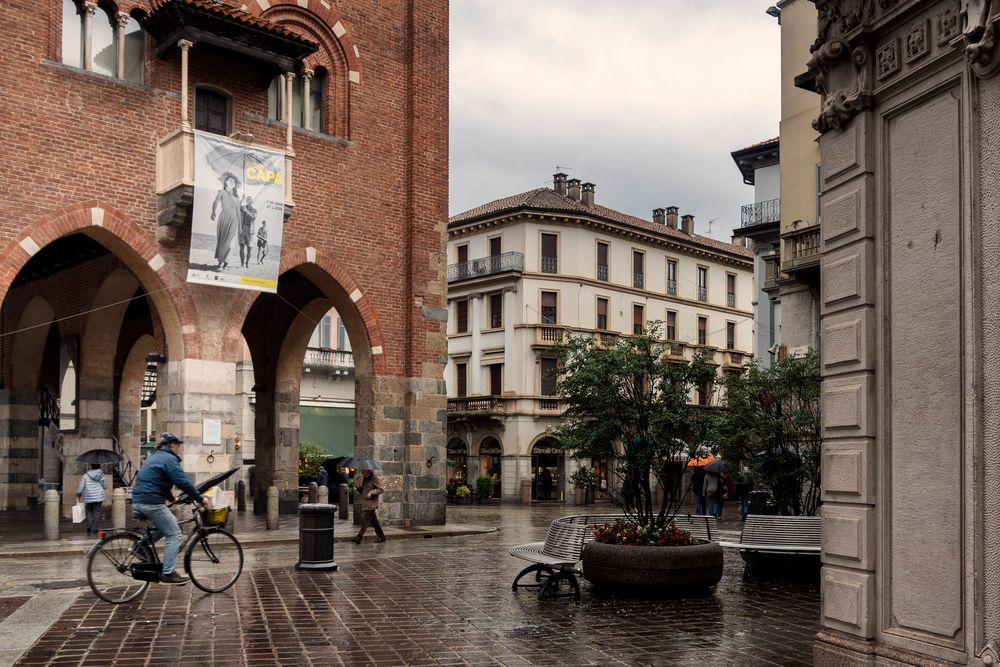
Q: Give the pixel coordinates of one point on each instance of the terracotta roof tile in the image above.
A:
(547, 199)
(236, 12)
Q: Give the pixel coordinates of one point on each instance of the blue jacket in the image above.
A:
(92, 486)
(161, 471)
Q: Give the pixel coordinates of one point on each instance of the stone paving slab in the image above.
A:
(441, 607)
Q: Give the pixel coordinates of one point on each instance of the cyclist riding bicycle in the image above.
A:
(151, 493)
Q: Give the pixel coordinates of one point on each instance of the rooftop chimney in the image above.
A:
(573, 189)
(658, 218)
(588, 194)
(671, 217)
(687, 224)
(559, 183)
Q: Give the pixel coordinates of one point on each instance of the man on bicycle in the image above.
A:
(151, 493)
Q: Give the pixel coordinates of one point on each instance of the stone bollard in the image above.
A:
(525, 491)
(118, 508)
(241, 496)
(272, 508)
(51, 500)
(323, 495)
(342, 501)
(313, 492)
(577, 496)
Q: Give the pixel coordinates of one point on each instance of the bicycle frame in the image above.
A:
(196, 531)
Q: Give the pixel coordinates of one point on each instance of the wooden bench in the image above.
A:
(788, 535)
(555, 559)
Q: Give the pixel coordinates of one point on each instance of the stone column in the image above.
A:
(185, 47)
(508, 335)
(307, 75)
(121, 20)
(475, 361)
(89, 9)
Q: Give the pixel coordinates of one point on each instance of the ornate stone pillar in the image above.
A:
(89, 9)
(307, 75)
(185, 47)
(121, 20)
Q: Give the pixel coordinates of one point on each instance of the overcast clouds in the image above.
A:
(644, 98)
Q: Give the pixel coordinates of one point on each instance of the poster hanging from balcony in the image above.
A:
(237, 215)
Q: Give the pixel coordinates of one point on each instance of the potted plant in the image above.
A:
(584, 480)
(628, 403)
(462, 494)
(484, 488)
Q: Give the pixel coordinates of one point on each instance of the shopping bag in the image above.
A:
(79, 513)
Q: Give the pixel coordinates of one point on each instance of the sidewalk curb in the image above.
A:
(64, 547)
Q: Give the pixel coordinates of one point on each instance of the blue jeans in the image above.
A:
(744, 503)
(164, 525)
(715, 506)
(699, 504)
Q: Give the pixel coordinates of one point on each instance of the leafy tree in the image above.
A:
(771, 421)
(629, 406)
(311, 457)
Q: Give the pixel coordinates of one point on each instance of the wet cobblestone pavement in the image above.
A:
(435, 602)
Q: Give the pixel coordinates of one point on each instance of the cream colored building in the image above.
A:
(527, 270)
(799, 279)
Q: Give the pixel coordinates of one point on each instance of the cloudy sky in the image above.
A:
(644, 98)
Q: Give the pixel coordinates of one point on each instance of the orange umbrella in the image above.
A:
(700, 461)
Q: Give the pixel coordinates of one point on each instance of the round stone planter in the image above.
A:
(652, 569)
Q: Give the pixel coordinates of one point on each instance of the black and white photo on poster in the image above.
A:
(237, 216)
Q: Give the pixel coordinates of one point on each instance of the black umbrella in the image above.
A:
(716, 466)
(216, 480)
(361, 464)
(99, 456)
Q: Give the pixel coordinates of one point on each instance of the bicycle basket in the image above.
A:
(216, 517)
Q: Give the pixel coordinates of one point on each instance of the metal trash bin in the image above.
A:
(316, 523)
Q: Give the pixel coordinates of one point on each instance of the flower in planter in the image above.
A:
(463, 492)
(649, 535)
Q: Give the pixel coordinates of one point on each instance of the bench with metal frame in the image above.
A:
(555, 560)
(782, 535)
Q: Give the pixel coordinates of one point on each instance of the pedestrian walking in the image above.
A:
(744, 485)
(698, 489)
(323, 478)
(92, 492)
(370, 488)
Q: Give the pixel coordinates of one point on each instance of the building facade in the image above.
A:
(528, 270)
(910, 251)
(760, 227)
(96, 229)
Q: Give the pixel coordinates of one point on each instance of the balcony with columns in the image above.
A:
(180, 27)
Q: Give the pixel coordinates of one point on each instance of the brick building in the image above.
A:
(96, 185)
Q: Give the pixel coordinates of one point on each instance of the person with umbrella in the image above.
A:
(715, 486)
(92, 491)
(371, 489)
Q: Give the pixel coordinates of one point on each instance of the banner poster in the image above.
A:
(238, 212)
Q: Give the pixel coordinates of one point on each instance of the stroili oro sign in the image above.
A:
(237, 215)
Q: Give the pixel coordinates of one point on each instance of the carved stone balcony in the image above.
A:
(546, 336)
(175, 183)
(333, 362)
(478, 405)
(733, 359)
(772, 272)
(801, 249)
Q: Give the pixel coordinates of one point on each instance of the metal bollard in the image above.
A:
(51, 500)
(313, 492)
(118, 508)
(323, 496)
(272, 508)
(342, 502)
(241, 496)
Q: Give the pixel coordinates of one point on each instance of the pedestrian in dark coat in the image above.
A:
(371, 489)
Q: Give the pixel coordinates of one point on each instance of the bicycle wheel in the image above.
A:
(108, 567)
(214, 560)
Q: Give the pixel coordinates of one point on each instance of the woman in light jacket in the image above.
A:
(91, 492)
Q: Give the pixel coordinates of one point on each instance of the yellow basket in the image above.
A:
(216, 517)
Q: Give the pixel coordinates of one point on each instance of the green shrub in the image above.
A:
(463, 491)
(484, 486)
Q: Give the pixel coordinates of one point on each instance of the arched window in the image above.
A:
(104, 41)
(317, 89)
(211, 111)
(72, 34)
(135, 50)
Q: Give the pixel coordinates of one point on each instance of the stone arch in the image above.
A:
(337, 54)
(130, 396)
(29, 339)
(136, 248)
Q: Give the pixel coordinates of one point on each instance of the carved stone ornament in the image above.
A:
(839, 106)
(916, 43)
(946, 23)
(990, 654)
(979, 33)
(887, 60)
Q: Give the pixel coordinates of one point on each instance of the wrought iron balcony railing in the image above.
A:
(760, 212)
(550, 265)
(485, 266)
(638, 279)
(731, 300)
(702, 294)
(602, 272)
(672, 287)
